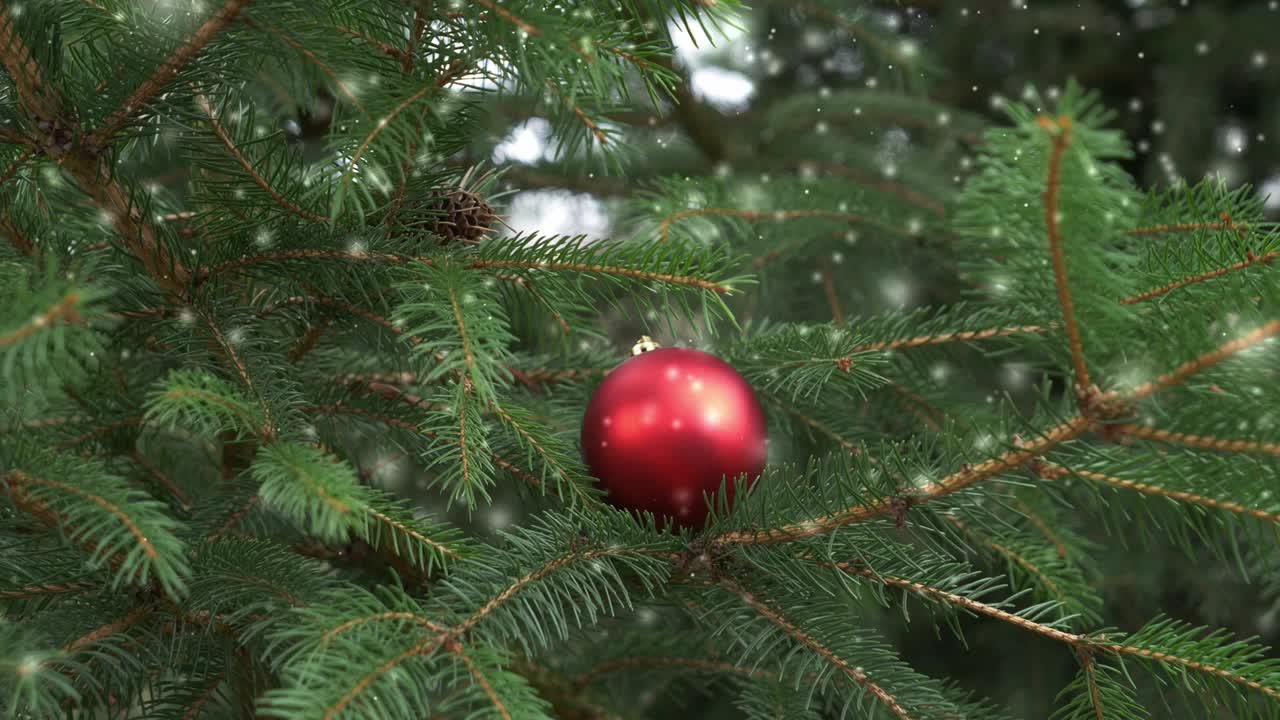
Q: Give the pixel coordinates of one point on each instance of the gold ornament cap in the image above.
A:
(643, 345)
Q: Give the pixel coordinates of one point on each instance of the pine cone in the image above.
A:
(459, 214)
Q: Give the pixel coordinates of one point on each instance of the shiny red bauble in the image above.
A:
(667, 427)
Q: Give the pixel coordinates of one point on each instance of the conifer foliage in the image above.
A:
(206, 321)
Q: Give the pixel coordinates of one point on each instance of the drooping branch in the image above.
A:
(1083, 643)
(1184, 371)
(29, 592)
(953, 483)
(593, 269)
(1050, 470)
(18, 481)
(854, 673)
(1014, 557)
(974, 606)
(1060, 132)
(1265, 259)
(1226, 224)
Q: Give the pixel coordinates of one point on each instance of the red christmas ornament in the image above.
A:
(668, 426)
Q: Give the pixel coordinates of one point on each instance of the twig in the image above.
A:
(704, 664)
(604, 270)
(955, 482)
(664, 229)
(1205, 442)
(65, 310)
(1060, 131)
(966, 336)
(855, 674)
(1057, 471)
(17, 479)
(829, 288)
(1253, 259)
(1205, 361)
(27, 592)
(19, 239)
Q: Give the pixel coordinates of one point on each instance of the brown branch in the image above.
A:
(1051, 470)
(1205, 442)
(813, 644)
(33, 94)
(312, 254)
(65, 310)
(919, 407)
(966, 336)
(1205, 361)
(1044, 529)
(974, 606)
(426, 646)
(509, 17)
(309, 340)
(84, 166)
(604, 270)
(485, 685)
(1011, 555)
(161, 478)
(234, 519)
(449, 637)
(19, 239)
(955, 482)
(1226, 224)
(344, 306)
(1060, 131)
(244, 163)
(388, 50)
(106, 631)
(337, 630)
(829, 288)
(586, 119)
(28, 592)
(1190, 665)
(17, 480)
(658, 661)
(410, 532)
(1089, 666)
(1253, 259)
(664, 229)
(167, 71)
(197, 708)
(506, 417)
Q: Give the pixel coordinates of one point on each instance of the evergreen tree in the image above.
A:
(273, 368)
